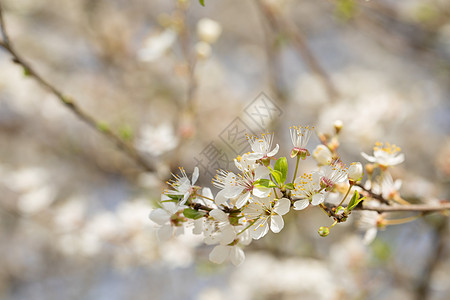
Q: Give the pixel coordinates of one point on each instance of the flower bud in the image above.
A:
(355, 172)
(322, 155)
(324, 231)
(208, 30)
(370, 168)
(338, 126)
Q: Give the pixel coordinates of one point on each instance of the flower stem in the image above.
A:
(348, 191)
(296, 168)
(400, 221)
(332, 225)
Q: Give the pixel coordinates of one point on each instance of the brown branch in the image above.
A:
(299, 42)
(404, 208)
(373, 195)
(70, 104)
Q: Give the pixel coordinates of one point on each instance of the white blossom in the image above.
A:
(332, 174)
(156, 140)
(385, 155)
(182, 186)
(167, 218)
(261, 146)
(240, 186)
(264, 211)
(300, 137)
(308, 190)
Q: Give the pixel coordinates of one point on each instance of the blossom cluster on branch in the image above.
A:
(253, 199)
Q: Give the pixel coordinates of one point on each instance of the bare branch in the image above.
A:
(70, 104)
(299, 42)
(412, 208)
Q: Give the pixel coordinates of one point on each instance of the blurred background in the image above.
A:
(74, 209)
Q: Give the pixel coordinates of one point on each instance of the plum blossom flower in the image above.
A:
(233, 251)
(169, 217)
(261, 146)
(370, 222)
(182, 186)
(300, 137)
(217, 228)
(241, 186)
(264, 211)
(208, 31)
(332, 174)
(385, 155)
(307, 190)
(157, 45)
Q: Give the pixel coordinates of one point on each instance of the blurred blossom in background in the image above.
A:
(169, 77)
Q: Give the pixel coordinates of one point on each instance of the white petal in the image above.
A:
(368, 157)
(301, 204)
(220, 198)
(228, 235)
(242, 199)
(259, 229)
(237, 256)
(233, 191)
(198, 226)
(261, 192)
(370, 235)
(276, 223)
(282, 206)
(159, 216)
(170, 206)
(195, 175)
(218, 215)
(207, 193)
(317, 199)
(261, 172)
(219, 254)
(274, 151)
(255, 156)
(185, 198)
(165, 232)
(398, 159)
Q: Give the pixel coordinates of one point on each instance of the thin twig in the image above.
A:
(412, 207)
(299, 42)
(70, 104)
(374, 195)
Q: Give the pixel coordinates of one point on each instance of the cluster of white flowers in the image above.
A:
(254, 199)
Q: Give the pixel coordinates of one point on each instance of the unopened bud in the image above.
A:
(355, 172)
(322, 155)
(323, 231)
(208, 30)
(338, 126)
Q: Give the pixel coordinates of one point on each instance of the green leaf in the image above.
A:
(192, 213)
(354, 201)
(282, 166)
(289, 186)
(202, 2)
(277, 176)
(265, 183)
(175, 197)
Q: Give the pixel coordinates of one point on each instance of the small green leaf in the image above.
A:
(202, 2)
(265, 183)
(277, 176)
(289, 186)
(354, 201)
(175, 197)
(282, 166)
(191, 213)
